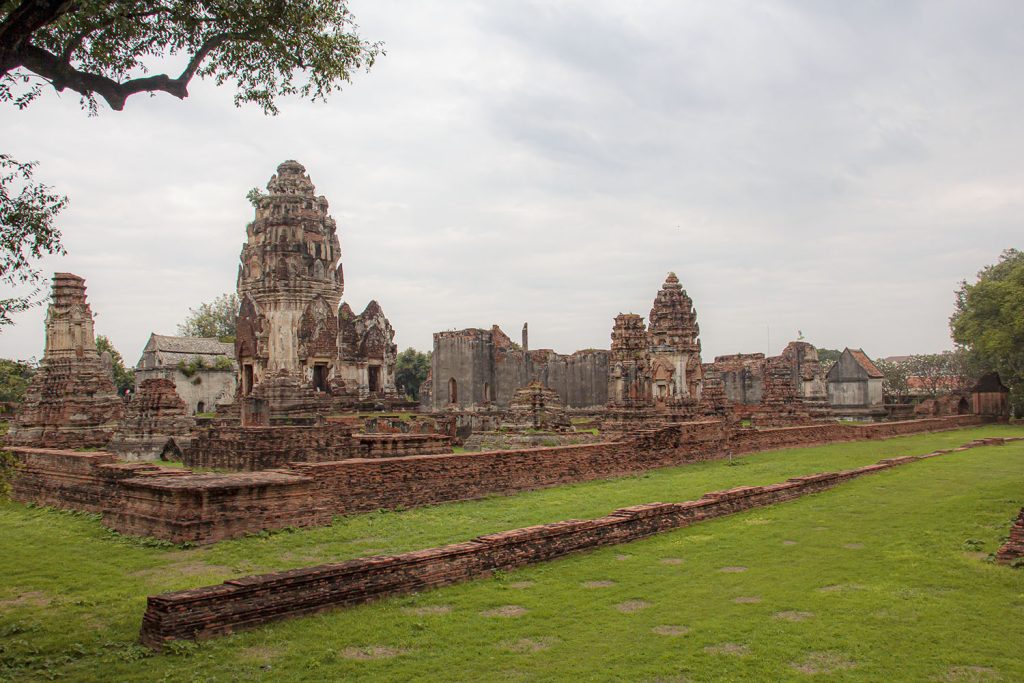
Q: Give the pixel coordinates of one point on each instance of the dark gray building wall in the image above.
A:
(478, 368)
(466, 357)
(742, 386)
(581, 380)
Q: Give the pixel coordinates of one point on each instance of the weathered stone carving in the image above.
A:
(296, 348)
(629, 377)
(537, 407)
(674, 345)
(71, 401)
(156, 424)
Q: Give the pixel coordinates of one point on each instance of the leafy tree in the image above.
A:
(124, 378)
(28, 212)
(267, 48)
(214, 319)
(895, 385)
(828, 358)
(931, 370)
(411, 369)
(988, 321)
(15, 376)
(108, 50)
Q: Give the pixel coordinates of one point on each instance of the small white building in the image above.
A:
(203, 369)
(855, 382)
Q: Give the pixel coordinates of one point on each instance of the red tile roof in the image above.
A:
(865, 362)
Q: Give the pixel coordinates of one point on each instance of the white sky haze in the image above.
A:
(830, 167)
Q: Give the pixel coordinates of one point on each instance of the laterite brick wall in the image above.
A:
(246, 602)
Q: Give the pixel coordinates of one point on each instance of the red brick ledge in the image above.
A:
(1013, 550)
(254, 600)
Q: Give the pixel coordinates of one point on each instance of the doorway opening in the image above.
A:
(246, 379)
(320, 377)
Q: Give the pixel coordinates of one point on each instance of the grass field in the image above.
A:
(882, 578)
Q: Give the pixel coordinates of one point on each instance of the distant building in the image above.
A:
(855, 384)
(203, 369)
(990, 397)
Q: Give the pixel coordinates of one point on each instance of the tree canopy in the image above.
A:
(28, 231)
(988, 321)
(124, 378)
(828, 358)
(110, 51)
(214, 319)
(15, 376)
(102, 49)
(411, 369)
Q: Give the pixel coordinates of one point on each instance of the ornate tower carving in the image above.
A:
(289, 286)
(629, 379)
(296, 343)
(674, 345)
(72, 401)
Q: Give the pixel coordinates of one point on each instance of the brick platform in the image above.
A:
(251, 601)
(182, 506)
(1013, 549)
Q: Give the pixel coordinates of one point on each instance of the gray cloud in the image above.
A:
(830, 167)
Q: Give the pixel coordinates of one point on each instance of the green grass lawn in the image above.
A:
(881, 578)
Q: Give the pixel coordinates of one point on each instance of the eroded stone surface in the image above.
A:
(299, 349)
(71, 401)
(156, 424)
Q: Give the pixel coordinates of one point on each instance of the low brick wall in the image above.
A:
(398, 444)
(177, 505)
(250, 601)
(262, 448)
(205, 508)
(182, 506)
(75, 480)
(361, 485)
(1013, 550)
(253, 449)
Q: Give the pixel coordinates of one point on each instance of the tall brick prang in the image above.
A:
(72, 401)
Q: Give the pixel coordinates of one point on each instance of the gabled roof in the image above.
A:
(990, 383)
(191, 345)
(865, 362)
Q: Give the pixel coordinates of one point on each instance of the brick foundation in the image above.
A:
(1013, 549)
(256, 448)
(182, 506)
(250, 601)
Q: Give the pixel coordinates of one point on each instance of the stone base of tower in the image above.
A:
(71, 403)
(283, 396)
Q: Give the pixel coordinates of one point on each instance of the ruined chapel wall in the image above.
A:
(511, 372)
(581, 379)
(466, 357)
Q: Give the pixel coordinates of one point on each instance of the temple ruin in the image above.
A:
(775, 390)
(299, 349)
(478, 369)
(156, 424)
(72, 401)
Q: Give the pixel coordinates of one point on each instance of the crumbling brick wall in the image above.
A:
(179, 505)
(239, 603)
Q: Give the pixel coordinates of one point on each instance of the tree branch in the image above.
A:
(23, 21)
(63, 75)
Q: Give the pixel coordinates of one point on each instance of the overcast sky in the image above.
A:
(829, 167)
